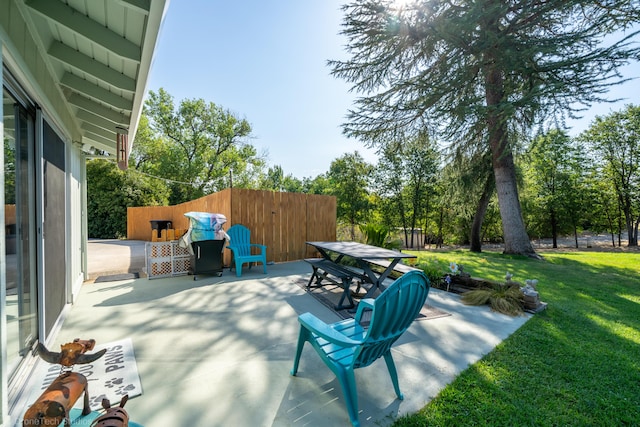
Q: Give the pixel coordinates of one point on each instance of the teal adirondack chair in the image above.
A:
(347, 345)
(240, 244)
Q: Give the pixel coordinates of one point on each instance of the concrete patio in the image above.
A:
(218, 351)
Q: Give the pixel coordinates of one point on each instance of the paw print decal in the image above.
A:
(96, 401)
(120, 388)
(113, 382)
(121, 391)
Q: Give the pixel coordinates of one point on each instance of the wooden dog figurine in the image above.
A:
(54, 404)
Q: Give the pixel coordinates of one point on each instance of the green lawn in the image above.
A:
(575, 364)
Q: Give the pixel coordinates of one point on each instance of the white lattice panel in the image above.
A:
(181, 265)
(160, 250)
(166, 259)
(179, 251)
(159, 269)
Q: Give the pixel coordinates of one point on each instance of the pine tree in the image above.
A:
(481, 70)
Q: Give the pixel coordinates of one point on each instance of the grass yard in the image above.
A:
(575, 364)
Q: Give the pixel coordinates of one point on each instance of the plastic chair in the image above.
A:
(346, 345)
(240, 245)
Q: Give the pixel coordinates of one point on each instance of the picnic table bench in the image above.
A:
(400, 268)
(363, 255)
(323, 267)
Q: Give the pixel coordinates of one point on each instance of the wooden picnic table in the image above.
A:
(365, 256)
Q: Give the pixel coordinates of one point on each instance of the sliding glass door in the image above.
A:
(20, 229)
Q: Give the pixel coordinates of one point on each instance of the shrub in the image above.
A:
(432, 270)
(379, 235)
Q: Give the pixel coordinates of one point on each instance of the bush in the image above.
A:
(110, 191)
(433, 270)
(379, 235)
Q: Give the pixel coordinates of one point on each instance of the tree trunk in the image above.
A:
(611, 227)
(516, 240)
(403, 218)
(619, 225)
(629, 221)
(478, 218)
(425, 230)
(554, 229)
(632, 234)
(416, 208)
(440, 229)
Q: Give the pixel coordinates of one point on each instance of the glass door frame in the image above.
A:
(26, 235)
(27, 230)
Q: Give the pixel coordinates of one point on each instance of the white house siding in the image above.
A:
(75, 225)
(27, 31)
(23, 57)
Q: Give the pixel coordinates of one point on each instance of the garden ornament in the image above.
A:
(72, 353)
(115, 416)
(55, 403)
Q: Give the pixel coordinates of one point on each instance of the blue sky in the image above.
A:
(266, 62)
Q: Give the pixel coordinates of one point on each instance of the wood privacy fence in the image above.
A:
(282, 221)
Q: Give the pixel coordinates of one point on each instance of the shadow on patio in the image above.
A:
(218, 351)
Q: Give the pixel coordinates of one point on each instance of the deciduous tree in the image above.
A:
(616, 138)
(405, 176)
(197, 146)
(553, 173)
(275, 179)
(349, 177)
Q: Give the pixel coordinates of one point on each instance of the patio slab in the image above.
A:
(218, 351)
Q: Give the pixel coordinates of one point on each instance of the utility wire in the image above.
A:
(193, 184)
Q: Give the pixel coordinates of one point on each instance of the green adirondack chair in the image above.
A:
(347, 345)
(241, 246)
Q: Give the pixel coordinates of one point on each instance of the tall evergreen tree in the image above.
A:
(481, 71)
